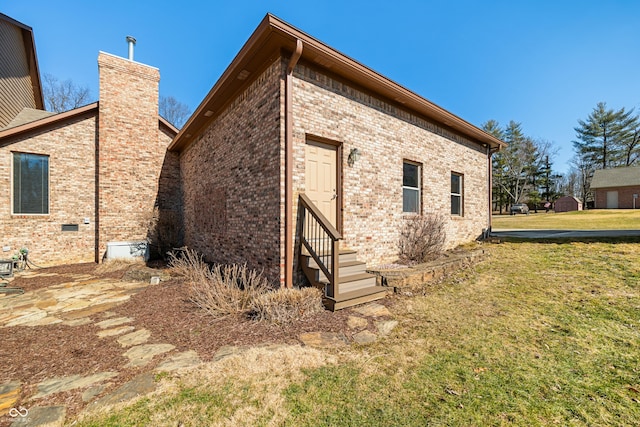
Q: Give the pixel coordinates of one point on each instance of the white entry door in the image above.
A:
(321, 177)
(612, 200)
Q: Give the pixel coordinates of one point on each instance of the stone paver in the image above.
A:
(49, 416)
(187, 359)
(77, 322)
(93, 391)
(113, 322)
(9, 393)
(355, 322)
(139, 386)
(365, 337)
(138, 337)
(66, 301)
(141, 355)
(373, 310)
(58, 384)
(323, 339)
(115, 331)
(385, 328)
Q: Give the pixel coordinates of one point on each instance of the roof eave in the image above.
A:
(28, 127)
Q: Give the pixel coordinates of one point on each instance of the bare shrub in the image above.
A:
(422, 238)
(285, 305)
(221, 290)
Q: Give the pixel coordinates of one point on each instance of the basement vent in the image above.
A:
(69, 227)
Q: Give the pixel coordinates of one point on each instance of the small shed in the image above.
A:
(567, 203)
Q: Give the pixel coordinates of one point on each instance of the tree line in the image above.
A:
(522, 172)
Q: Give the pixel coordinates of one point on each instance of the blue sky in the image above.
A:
(544, 63)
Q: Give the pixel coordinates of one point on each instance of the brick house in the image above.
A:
(299, 153)
(73, 182)
(616, 188)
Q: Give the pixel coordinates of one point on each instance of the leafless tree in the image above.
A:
(60, 96)
(174, 111)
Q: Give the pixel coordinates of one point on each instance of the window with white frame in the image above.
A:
(411, 187)
(456, 194)
(30, 184)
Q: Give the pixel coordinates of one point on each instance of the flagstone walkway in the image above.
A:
(86, 299)
(74, 303)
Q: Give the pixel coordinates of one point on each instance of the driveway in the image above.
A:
(563, 234)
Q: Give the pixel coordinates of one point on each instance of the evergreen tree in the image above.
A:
(607, 138)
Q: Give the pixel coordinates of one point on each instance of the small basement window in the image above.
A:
(69, 227)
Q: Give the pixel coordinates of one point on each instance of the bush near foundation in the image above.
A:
(422, 238)
(286, 305)
(226, 290)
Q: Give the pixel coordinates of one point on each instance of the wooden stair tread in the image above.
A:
(360, 296)
(350, 278)
(305, 252)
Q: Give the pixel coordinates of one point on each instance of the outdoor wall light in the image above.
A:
(354, 155)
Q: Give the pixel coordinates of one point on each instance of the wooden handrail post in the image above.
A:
(335, 268)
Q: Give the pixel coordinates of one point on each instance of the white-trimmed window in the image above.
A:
(411, 187)
(456, 194)
(30, 184)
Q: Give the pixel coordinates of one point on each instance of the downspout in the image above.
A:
(288, 167)
(490, 152)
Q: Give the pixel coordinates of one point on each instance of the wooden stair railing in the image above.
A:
(322, 241)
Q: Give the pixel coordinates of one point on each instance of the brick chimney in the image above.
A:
(130, 150)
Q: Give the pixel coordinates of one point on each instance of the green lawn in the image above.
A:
(601, 219)
(538, 334)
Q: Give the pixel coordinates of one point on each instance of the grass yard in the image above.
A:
(600, 219)
(539, 334)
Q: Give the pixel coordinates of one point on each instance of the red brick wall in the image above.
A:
(625, 197)
(231, 177)
(71, 151)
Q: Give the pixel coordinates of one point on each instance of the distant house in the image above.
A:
(567, 204)
(74, 182)
(617, 188)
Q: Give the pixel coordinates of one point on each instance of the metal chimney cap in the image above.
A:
(131, 39)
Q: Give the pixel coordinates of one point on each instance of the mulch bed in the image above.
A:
(33, 354)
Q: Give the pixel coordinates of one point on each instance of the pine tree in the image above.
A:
(602, 138)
